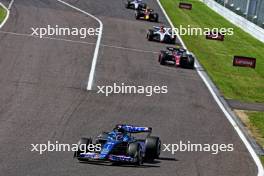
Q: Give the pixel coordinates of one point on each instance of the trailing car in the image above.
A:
(135, 4)
(147, 14)
(161, 34)
(176, 56)
(120, 145)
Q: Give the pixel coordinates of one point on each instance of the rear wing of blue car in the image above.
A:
(134, 129)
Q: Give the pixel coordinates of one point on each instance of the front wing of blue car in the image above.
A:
(113, 158)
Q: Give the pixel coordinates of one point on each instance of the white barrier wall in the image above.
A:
(237, 20)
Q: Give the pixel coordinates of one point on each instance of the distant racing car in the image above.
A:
(176, 56)
(147, 14)
(135, 4)
(161, 34)
(120, 145)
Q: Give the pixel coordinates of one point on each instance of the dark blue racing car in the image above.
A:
(121, 146)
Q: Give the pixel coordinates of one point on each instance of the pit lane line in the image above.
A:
(80, 42)
(49, 38)
(98, 43)
(220, 104)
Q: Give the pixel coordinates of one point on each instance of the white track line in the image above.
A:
(10, 4)
(79, 42)
(96, 50)
(130, 49)
(7, 15)
(49, 38)
(218, 101)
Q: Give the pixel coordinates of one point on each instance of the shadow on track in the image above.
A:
(167, 159)
(147, 164)
(117, 164)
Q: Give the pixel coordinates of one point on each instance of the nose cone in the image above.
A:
(106, 149)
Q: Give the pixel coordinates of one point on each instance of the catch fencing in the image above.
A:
(247, 25)
(252, 10)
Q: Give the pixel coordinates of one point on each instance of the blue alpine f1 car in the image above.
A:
(121, 146)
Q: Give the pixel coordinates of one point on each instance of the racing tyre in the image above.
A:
(134, 151)
(162, 59)
(156, 17)
(153, 146)
(127, 5)
(150, 35)
(173, 40)
(81, 147)
(167, 39)
(137, 15)
(191, 62)
(160, 56)
(142, 6)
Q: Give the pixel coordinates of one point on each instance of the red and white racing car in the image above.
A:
(176, 56)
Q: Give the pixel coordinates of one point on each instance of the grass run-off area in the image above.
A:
(245, 84)
(256, 124)
(2, 14)
(256, 120)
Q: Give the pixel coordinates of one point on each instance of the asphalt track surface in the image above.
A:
(42, 96)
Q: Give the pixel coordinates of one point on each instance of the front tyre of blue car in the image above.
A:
(82, 148)
(134, 151)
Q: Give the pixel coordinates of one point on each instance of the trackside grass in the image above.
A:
(2, 14)
(257, 122)
(239, 83)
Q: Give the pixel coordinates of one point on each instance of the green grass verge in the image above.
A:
(243, 84)
(2, 13)
(262, 159)
(256, 120)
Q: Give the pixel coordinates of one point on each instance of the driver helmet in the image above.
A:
(162, 29)
(147, 9)
(120, 129)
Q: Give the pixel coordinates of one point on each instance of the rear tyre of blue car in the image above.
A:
(153, 147)
(134, 150)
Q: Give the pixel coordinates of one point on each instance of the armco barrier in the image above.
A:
(237, 20)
